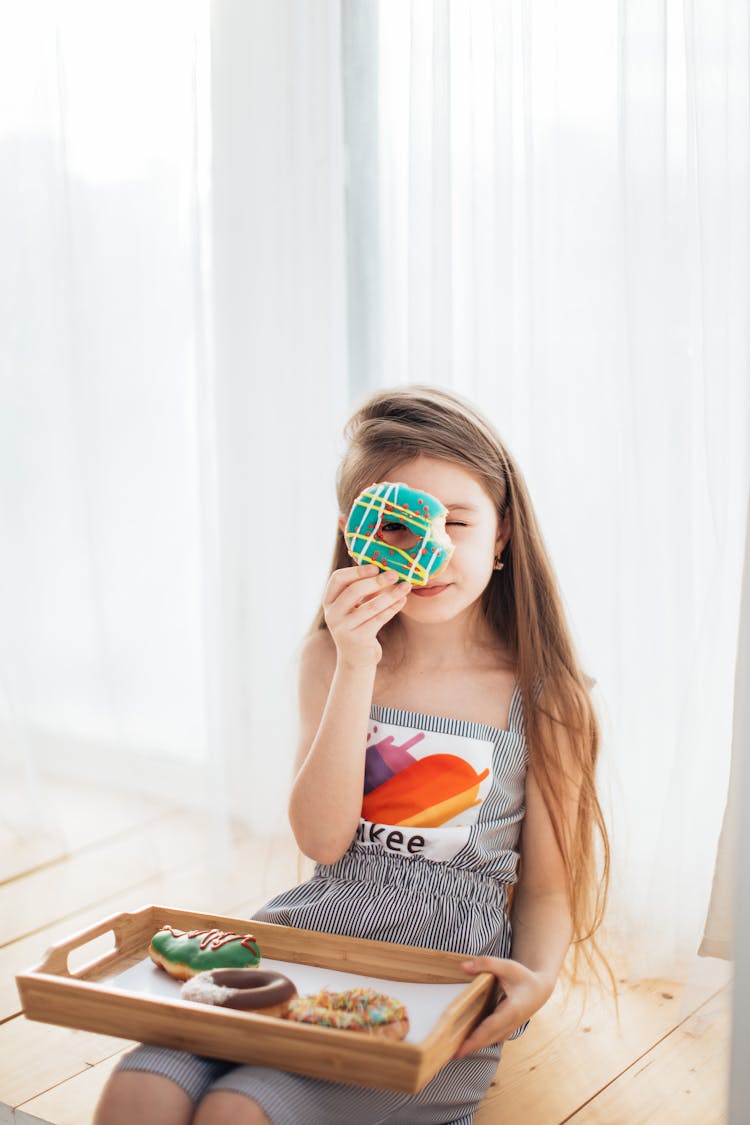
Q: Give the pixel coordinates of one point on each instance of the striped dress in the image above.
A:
(430, 866)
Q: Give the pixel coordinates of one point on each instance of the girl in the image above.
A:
(478, 665)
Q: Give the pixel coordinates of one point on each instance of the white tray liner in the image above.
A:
(425, 1003)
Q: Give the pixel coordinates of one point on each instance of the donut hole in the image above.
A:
(397, 534)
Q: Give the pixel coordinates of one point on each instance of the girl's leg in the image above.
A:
(222, 1107)
(157, 1086)
(291, 1099)
(148, 1099)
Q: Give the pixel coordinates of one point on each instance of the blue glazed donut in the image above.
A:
(399, 528)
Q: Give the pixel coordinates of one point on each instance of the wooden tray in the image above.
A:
(80, 998)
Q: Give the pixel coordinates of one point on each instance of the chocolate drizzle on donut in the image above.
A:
(212, 939)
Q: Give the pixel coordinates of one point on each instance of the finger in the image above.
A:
(476, 1042)
(500, 967)
(386, 580)
(361, 593)
(347, 576)
(342, 581)
(486, 1034)
(378, 610)
(352, 577)
(495, 1029)
(350, 610)
(487, 965)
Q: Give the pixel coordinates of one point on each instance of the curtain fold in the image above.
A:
(100, 645)
(279, 366)
(173, 355)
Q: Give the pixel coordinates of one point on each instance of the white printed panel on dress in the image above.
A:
(423, 790)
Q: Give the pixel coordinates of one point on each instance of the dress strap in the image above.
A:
(515, 718)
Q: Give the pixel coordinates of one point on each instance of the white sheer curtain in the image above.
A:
(172, 352)
(563, 226)
(546, 208)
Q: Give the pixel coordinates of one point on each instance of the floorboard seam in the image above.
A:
(643, 1055)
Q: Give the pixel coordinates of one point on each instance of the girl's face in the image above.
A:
(474, 528)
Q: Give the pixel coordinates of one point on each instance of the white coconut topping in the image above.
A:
(202, 990)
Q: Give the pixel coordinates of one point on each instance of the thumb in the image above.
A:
(498, 966)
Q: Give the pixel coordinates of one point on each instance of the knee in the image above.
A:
(222, 1107)
(149, 1099)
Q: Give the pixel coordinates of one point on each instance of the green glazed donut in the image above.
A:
(183, 953)
(399, 528)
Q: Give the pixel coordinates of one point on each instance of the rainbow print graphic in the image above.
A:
(424, 780)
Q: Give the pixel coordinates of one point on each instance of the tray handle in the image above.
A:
(120, 925)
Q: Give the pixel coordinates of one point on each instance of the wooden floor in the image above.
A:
(117, 852)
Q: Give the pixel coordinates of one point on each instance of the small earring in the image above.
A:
(498, 565)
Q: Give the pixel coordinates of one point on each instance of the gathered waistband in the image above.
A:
(423, 876)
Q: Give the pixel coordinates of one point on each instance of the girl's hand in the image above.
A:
(357, 603)
(522, 992)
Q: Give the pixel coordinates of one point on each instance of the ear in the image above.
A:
(503, 531)
(342, 523)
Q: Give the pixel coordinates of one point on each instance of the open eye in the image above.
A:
(397, 534)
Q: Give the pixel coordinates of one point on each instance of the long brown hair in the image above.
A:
(523, 606)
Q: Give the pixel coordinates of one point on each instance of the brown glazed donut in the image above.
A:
(248, 990)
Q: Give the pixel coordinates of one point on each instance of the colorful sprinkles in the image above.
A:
(357, 1009)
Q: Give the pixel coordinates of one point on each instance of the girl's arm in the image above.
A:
(541, 918)
(326, 796)
(337, 675)
(542, 925)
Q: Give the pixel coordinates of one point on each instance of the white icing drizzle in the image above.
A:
(386, 497)
(430, 532)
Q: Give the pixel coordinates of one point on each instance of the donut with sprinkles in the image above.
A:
(360, 1010)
